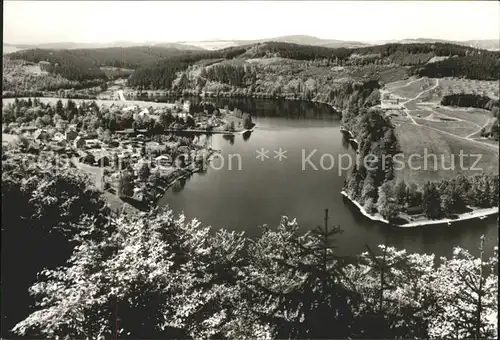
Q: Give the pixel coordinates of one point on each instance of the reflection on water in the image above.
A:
(229, 138)
(246, 135)
(345, 140)
(290, 109)
(179, 185)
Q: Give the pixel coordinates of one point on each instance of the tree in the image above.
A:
(247, 121)
(369, 189)
(41, 210)
(390, 211)
(386, 204)
(126, 185)
(400, 193)
(39, 122)
(451, 198)
(431, 200)
(149, 281)
(296, 282)
(413, 195)
(106, 136)
(144, 172)
(59, 107)
(468, 296)
(47, 120)
(397, 293)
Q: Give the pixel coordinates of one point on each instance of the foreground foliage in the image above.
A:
(158, 275)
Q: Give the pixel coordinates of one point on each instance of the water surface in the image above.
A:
(262, 191)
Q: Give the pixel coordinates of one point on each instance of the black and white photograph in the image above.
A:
(250, 170)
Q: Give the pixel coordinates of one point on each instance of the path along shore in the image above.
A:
(477, 213)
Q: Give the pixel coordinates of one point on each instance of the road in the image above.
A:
(415, 98)
(467, 138)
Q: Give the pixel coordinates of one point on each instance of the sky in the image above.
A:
(32, 22)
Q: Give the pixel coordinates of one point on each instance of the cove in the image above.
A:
(262, 191)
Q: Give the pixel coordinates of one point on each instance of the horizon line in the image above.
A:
(229, 39)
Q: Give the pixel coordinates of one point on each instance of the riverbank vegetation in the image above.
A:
(377, 140)
(158, 275)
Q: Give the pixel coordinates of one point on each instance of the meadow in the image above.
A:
(412, 89)
(476, 116)
(415, 139)
(481, 87)
(459, 128)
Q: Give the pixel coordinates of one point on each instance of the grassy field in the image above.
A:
(414, 140)
(399, 83)
(420, 113)
(485, 140)
(476, 116)
(413, 89)
(459, 128)
(481, 87)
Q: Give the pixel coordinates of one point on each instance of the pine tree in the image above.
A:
(432, 201)
(297, 282)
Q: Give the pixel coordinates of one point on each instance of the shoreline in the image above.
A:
(363, 211)
(477, 213)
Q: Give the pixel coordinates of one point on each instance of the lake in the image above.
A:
(262, 191)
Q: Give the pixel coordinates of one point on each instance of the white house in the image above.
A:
(162, 160)
(92, 143)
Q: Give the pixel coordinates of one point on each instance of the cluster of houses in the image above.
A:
(389, 102)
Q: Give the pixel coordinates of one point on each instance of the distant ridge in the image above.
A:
(293, 39)
(488, 44)
(73, 46)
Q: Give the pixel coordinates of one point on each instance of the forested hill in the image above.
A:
(419, 59)
(83, 64)
(162, 63)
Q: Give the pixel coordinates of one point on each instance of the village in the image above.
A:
(139, 161)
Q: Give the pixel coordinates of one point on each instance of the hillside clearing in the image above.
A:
(413, 88)
(476, 116)
(481, 87)
(459, 128)
(419, 141)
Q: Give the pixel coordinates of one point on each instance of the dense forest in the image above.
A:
(438, 49)
(291, 63)
(123, 57)
(84, 64)
(159, 275)
(471, 100)
(484, 66)
(63, 63)
(377, 139)
(161, 74)
(157, 67)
